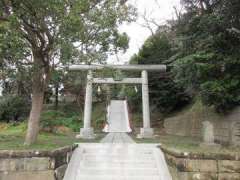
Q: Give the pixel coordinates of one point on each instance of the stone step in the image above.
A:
(118, 155)
(118, 172)
(119, 158)
(113, 177)
(137, 165)
(125, 154)
(127, 146)
(117, 168)
(117, 162)
(118, 151)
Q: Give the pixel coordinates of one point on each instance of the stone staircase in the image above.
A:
(120, 161)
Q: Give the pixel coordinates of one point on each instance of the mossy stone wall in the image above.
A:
(37, 165)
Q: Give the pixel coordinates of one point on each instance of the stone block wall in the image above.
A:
(37, 165)
(189, 123)
(184, 166)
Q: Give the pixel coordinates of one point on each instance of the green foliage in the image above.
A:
(56, 33)
(134, 98)
(222, 93)
(90, 24)
(190, 71)
(209, 59)
(12, 137)
(53, 118)
(12, 128)
(201, 48)
(70, 29)
(156, 49)
(69, 115)
(165, 94)
(99, 115)
(13, 108)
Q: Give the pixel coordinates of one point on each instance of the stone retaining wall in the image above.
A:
(191, 166)
(189, 123)
(34, 165)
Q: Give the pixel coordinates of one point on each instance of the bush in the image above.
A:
(222, 94)
(13, 108)
(207, 75)
(53, 118)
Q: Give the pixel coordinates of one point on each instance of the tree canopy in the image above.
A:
(41, 35)
(201, 48)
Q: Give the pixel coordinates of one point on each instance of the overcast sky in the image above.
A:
(160, 11)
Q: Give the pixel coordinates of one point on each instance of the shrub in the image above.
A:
(13, 108)
(222, 94)
(53, 118)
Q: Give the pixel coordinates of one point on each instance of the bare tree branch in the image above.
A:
(147, 23)
(156, 1)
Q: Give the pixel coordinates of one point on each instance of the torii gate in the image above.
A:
(87, 131)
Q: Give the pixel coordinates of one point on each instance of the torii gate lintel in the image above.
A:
(87, 131)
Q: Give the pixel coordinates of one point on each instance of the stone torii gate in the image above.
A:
(87, 131)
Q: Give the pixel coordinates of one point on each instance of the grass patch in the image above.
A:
(187, 144)
(137, 119)
(12, 138)
(12, 135)
(71, 116)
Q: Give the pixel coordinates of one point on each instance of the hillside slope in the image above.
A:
(188, 122)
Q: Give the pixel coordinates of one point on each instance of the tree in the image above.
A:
(61, 32)
(209, 62)
(200, 6)
(202, 47)
(164, 93)
(75, 84)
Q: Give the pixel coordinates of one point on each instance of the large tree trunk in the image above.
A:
(34, 118)
(40, 81)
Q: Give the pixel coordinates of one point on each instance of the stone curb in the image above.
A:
(204, 156)
(36, 153)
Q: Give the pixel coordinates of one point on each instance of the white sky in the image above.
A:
(160, 12)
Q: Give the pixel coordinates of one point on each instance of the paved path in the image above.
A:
(117, 138)
(118, 117)
(117, 158)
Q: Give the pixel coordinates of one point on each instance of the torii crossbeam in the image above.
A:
(87, 131)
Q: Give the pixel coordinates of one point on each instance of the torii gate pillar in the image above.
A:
(87, 131)
(146, 131)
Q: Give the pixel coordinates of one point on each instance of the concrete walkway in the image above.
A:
(118, 120)
(117, 138)
(117, 158)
